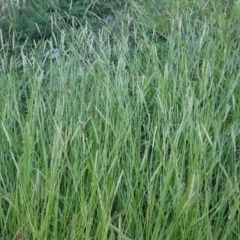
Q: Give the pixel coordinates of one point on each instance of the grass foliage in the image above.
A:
(132, 133)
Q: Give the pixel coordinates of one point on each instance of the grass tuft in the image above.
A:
(124, 128)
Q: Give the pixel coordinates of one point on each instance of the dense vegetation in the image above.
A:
(38, 19)
(119, 120)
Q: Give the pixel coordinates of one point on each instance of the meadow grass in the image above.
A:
(133, 133)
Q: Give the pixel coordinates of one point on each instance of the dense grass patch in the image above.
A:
(131, 132)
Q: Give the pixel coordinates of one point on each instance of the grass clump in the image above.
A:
(131, 132)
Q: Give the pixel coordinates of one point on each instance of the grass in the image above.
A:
(132, 134)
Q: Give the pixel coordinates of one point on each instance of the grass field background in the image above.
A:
(132, 132)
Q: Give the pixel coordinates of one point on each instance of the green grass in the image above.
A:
(133, 133)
